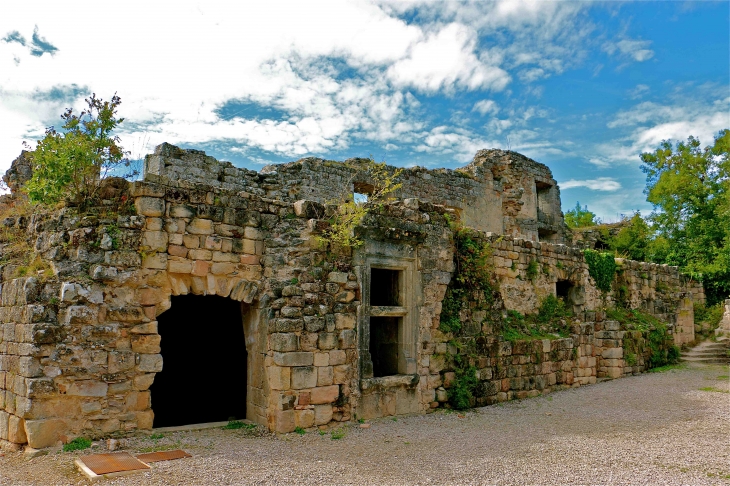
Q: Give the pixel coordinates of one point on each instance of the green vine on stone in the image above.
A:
(471, 284)
(602, 267)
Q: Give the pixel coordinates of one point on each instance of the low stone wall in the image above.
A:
(529, 271)
(527, 368)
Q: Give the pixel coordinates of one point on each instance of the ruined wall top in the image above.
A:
(499, 191)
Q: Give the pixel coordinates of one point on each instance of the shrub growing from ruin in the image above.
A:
(70, 164)
(349, 213)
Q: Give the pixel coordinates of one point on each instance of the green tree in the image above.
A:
(638, 240)
(690, 189)
(580, 217)
(70, 164)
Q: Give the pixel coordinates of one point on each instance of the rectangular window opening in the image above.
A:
(385, 287)
(384, 346)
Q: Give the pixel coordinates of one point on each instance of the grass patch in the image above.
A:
(550, 322)
(670, 367)
(299, 430)
(78, 444)
(723, 377)
(237, 424)
(338, 434)
(713, 389)
(157, 436)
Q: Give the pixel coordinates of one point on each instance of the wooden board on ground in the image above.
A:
(98, 466)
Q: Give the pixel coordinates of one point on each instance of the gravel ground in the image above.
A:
(657, 428)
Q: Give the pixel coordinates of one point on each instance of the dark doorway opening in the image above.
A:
(203, 377)
(384, 345)
(562, 289)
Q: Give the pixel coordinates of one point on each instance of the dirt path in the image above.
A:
(658, 428)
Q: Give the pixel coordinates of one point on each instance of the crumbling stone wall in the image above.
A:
(79, 345)
(499, 191)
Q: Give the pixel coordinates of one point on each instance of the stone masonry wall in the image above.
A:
(498, 191)
(79, 341)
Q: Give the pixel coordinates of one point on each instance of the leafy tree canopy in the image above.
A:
(70, 164)
(689, 187)
(580, 217)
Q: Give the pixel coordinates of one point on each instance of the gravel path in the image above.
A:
(657, 428)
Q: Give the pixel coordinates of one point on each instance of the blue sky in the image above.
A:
(584, 87)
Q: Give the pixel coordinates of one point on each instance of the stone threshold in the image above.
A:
(208, 425)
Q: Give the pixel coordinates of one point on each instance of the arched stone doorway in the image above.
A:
(204, 373)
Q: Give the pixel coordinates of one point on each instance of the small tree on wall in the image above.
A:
(70, 164)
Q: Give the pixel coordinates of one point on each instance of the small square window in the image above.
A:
(385, 287)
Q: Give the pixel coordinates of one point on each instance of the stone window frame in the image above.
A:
(407, 312)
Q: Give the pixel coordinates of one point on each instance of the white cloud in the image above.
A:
(695, 111)
(607, 184)
(444, 60)
(634, 49)
(486, 107)
(639, 91)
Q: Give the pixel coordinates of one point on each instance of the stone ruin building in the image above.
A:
(207, 295)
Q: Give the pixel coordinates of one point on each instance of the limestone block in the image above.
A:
(344, 321)
(324, 394)
(143, 382)
(199, 226)
(146, 343)
(303, 377)
(200, 268)
(337, 277)
(252, 233)
(325, 375)
(340, 374)
(279, 377)
(347, 339)
(150, 206)
(613, 353)
(283, 342)
(44, 433)
(120, 361)
(191, 241)
(88, 388)
(154, 241)
(328, 340)
(322, 414)
(4, 418)
(337, 357)
(304, 418)
(614, 372)
(144, 419)
(146, 328)
(200, 254)
(294, 359)
(321, 359)
(285, 421)
(313, 323)
(220, 268)
(150, 363)
(181, 211)
(308, 341)
(178, 251)
(156, 261)
(179, 266)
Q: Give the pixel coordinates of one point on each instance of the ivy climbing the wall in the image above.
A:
(471, 285)
(602, 267)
